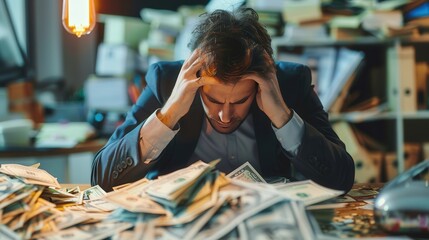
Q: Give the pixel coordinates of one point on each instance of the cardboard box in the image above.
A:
(15, 133)
(115, 60)
(124, 30)
(107, 93)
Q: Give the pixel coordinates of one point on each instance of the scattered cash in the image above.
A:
(197, 202)
(247, 173)
(30, 174)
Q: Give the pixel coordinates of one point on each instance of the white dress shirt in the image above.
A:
(234, 148)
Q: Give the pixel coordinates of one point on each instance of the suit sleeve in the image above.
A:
(119, 161)
(322, 156)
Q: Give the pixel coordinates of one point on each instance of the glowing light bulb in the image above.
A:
(79, 16)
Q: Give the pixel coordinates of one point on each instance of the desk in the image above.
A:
(351, 221)
(67, 164)
(356, 219)
(19, 152)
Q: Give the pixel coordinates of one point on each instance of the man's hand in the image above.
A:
(184, 90)
(269, 97)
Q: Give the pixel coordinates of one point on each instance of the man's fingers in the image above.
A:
(202, 81)
(192, 59)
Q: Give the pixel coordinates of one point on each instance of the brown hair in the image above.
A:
(233, 43)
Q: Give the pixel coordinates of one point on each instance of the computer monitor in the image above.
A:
(13, 63)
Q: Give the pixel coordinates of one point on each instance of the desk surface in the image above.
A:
(355, 219)
(16, 152)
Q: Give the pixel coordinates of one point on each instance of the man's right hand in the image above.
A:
(184, 91)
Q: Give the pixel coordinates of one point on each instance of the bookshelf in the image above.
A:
(390, 124)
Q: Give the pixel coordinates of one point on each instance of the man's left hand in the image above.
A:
(269, 97)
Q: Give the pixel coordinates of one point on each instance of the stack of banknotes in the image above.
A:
(197, 202)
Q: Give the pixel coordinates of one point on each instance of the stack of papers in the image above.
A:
(64, 135)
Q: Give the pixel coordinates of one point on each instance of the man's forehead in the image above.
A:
(239, 81)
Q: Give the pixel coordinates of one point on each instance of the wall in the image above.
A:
(56, 54)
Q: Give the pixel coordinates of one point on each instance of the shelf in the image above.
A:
(376, 49)
(367, 116)
(369, 40)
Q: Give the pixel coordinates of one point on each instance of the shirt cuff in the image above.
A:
(290, 135)
(154, 137)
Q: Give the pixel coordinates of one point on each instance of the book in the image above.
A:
(347, 62)
(339, 103)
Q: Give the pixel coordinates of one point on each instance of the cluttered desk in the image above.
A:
(17, 152)
(52, 139)
(199, 202)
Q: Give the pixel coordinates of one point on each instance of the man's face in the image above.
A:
(226, 105)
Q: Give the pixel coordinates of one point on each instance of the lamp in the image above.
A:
(78, 16)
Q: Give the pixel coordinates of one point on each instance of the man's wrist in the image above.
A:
(167, 118)
(282, 119)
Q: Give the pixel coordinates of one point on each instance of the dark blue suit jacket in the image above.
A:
(322, 156)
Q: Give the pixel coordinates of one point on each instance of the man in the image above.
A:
(228, 100)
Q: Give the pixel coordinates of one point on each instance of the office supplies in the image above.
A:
(402, 206)
(15, 133)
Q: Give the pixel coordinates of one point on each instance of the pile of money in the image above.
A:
(196, 202)
(22, 210)
(32, 204)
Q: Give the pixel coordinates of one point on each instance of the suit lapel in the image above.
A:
(266, 141)
(190, 129)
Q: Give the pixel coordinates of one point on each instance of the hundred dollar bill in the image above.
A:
(6, 233)
(92, 193)
(245, 201)
(192, 210)
(134, 203)
(7, 188)
(96, 231)
(69, 218)
(307, 191)
(38, 175)
(134, 198)
(276, 222)
(176, 183)
(246, 172)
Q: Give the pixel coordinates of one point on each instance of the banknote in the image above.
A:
(92, 193)
(101, 204)
(190, 211)
(17, 195)
(38, 175)
(96, 231)
(175, 184)
(246, 172)
(9, 187)
(307, 191)
(246, 202)
(276, 222)
(6, 233)
(135, 203)
(14, 209)
(69, 218)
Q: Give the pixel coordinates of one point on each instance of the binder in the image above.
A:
(365, 168)
(401, 78)
(421, 84)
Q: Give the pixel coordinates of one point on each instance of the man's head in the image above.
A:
(234, 45)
